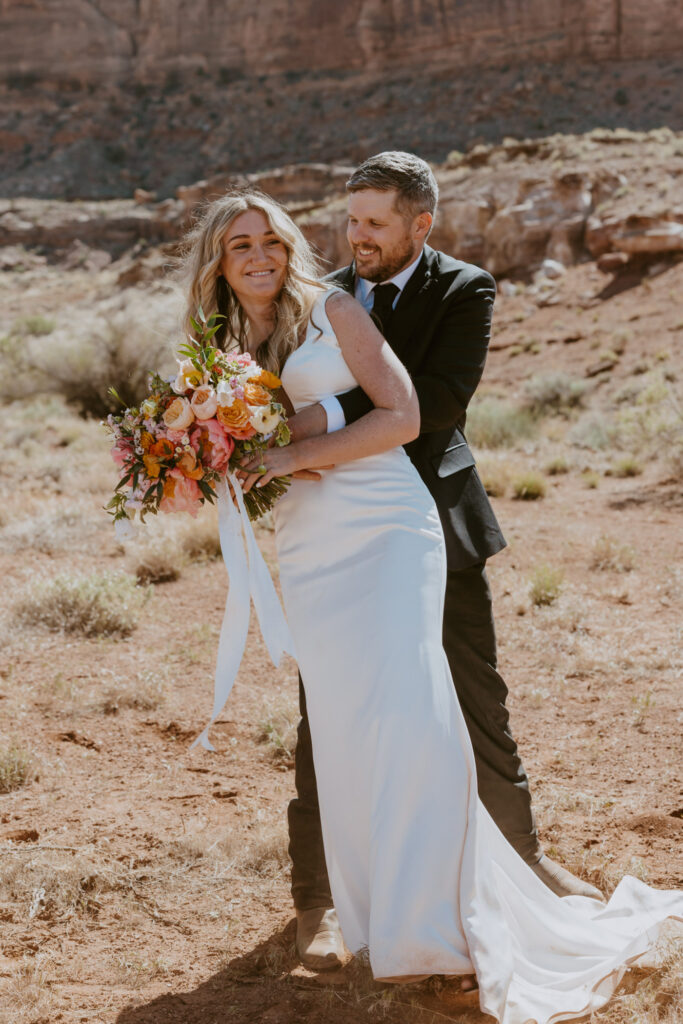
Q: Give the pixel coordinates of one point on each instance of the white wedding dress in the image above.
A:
(420, 875)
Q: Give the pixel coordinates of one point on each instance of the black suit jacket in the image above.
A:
(440, 330)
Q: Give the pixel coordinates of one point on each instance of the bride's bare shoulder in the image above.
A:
(340, 304)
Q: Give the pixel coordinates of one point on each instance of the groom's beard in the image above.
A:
(385, 263)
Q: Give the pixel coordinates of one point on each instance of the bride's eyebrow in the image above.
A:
(267, 234)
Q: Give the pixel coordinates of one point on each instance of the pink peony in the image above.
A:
(212, 444)
(176, 436)
(122, 452)
(181, 494)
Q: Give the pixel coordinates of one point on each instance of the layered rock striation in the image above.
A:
(94, 41)
(613, 196)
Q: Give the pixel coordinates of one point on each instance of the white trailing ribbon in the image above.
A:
(248, 579)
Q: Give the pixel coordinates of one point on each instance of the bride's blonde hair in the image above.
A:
(210, 290)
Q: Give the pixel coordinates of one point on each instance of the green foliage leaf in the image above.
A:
(115, 395)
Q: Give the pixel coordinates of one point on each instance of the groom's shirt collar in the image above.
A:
(364, 289)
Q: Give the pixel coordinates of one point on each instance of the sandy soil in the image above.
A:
(142, 882)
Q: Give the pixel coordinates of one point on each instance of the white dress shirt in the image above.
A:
(364, 293)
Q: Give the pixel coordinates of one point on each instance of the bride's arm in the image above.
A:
(394, 420)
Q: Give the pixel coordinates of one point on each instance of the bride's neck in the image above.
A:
(261, 317)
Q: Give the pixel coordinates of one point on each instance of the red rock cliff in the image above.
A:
(95, 40)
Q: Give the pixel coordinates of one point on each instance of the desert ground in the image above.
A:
(142, 882)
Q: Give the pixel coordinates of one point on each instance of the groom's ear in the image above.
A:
(422, 224)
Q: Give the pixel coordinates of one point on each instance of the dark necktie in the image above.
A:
(383, 296)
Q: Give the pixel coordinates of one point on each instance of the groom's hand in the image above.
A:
(311, 421)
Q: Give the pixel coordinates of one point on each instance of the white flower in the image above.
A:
(149, 408)
(224, 393)
(252, 370)
(188, 377)
(263, 418)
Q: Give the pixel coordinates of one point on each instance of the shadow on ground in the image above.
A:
(268, 986)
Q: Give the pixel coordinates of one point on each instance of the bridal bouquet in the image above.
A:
(192, 429)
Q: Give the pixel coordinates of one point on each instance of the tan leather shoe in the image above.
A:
(563, 882)
(319, 942)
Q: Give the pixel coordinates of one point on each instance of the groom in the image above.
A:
(435, 312)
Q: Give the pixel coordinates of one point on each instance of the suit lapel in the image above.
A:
(346, 278)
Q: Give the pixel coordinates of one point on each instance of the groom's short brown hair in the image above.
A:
(412, 177)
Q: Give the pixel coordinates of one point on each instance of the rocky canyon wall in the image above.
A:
(99, 97)
(91, 41)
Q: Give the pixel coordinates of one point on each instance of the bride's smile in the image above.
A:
(254, 259)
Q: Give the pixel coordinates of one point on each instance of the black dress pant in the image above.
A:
(469, 640)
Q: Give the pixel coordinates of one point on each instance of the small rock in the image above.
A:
(612, 262)
(77, 737)
(22, 835)
(553, 269)
(142, 196)
(601, 367)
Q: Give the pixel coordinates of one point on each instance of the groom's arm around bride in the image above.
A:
(435, 312)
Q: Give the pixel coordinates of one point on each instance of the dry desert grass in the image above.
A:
(141, 881)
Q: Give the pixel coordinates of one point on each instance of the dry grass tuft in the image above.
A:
(495, 423)
(265, 853)
(626, 466)
(34, 325)
(199, 539)
(83, 367)
(642, 705)
(157, 559)
(28, 998)
(650, 998)
(61, 530)
(557, 466)
(135, 971)
(102, 604)
(593, 431)
(609, 554)
(529, 486)
(144, 692)
(50, 884)
(495, 477)
(553, 391)
(16, 768)
(545, 584)
(277, 726)
(652, 423)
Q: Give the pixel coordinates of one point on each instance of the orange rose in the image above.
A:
(256, 395)
(162, 449)
(188, 466)
(233, 417)
(146, 441)
(152, 465)
(268, 379)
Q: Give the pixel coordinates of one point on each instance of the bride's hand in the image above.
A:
(260, 467)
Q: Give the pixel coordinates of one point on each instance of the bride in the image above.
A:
(420, 875)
